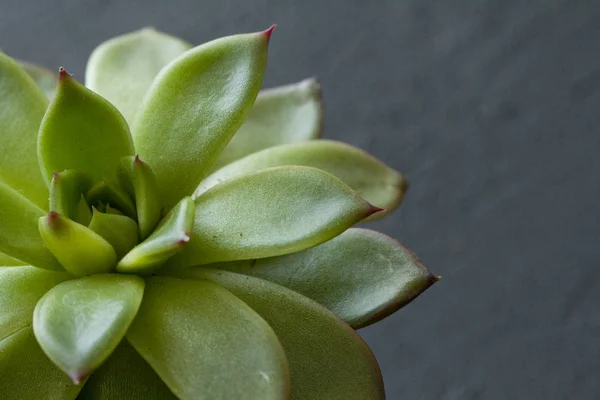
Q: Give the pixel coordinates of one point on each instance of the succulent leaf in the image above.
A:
(169, 238)
(146, 193)
(8, 261)
(122, 69)
(371, 179)
(109, 193)
(220, 348)
(66, 189)
(20, 289)
(118, 230)
(125, 375)
(27, 373)
(194, 107)
(285, 114)
(19, 235)
(43, 77)
(79, 323)
(362, 276)
(22, 108)
(328, 360)
(79, 250)
(82, 131)
(83, 214)
(250, 216)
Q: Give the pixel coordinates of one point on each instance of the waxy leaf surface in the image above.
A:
(9, 261)
(82, 131)
(122, 69)
(19, 235)
(285, 114)
(27, 373)
(22, 107)
(118, 230)
(169, 238)
(207, 344)
(328, 360)
(80, 322)
(80, 250)
(195, 106)
(271, 212)
(362, 275)
(125, 375)
(20, 289)
(370, 178)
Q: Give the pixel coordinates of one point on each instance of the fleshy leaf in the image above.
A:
(169, 238)
(79, 323)
(27, 373)
(362, 275)
(107, 193)
(125, 375)
(80, 250)
(118, 230)
(8, 261)
(146, 193)
(194, 107)
(43, 77)
(370, 178)
(328, 360)
(22, 107)
(123, 68)
(206, 344)
(271, 212)
(19, 235)
(83, 214)
(82, 131)
(20, 289)
(285, 114)
(66, 189)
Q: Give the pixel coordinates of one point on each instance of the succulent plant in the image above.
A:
(148, 253)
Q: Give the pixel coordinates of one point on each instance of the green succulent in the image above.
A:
(148, 253)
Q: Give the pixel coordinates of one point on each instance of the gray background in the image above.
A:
(491, 110)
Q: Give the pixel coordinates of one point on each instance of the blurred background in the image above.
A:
(490, 108)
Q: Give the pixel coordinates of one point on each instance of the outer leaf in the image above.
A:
(225, 351)
(80, 322)
(286, 114)
(82, 131)
(22, 106)
(271, 212)
(26, 373)
(362, 276)
(195, 106)
(328, 360)
(80, 250)
(66, 189)
(123, 68)
(168, 239)
(43, 77)
(7, 261)
(370, 178)
(146, 193)
(118, 230)
(125, 375)
(19, 236)
(20, 290)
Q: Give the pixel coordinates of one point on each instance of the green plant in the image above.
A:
(172, 261)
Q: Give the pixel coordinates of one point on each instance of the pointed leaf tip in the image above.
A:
(269, 32)
(62, 74)
(373, 210)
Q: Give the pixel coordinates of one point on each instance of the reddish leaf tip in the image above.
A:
(62, 74)
(77, 378)
(55, 176)
(137, 159)
(52, 215)
(184, 239)
(373, 209)
(269, 32)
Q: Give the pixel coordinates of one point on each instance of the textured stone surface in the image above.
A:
(489, 107)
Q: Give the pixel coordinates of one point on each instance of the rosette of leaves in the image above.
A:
(148, 253)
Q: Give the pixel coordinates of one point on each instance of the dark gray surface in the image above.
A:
(492, 110)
